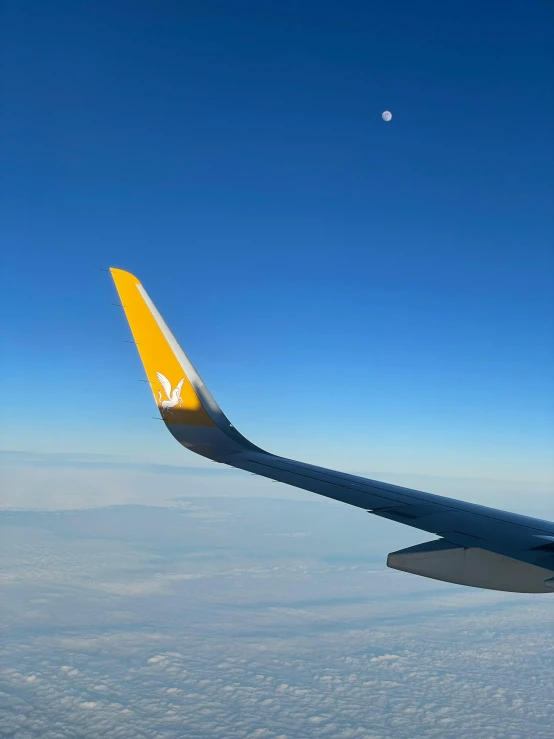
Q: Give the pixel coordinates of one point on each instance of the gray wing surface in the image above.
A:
(476, 546)
(466, 525)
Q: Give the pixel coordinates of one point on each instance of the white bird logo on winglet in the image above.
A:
(173, 396)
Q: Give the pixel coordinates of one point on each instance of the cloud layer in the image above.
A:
(175, 623)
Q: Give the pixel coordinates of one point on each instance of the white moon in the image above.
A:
(386, 115)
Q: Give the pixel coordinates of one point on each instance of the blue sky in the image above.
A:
(371, 296)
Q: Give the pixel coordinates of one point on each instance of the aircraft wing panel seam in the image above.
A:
(334, 483)
(440, 500)
(446, 505)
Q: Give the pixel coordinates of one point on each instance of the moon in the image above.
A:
(386, 115)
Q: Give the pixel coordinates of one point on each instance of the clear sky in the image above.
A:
(371, 296)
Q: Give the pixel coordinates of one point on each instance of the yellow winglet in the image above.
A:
(166, 365)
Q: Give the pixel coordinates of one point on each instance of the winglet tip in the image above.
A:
(122, 274)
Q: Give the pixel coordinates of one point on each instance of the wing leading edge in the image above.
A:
(478, 546)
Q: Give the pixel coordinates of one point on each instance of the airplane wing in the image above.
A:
(473, 545)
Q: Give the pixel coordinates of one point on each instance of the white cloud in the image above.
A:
(385, 658)
(157, 659)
